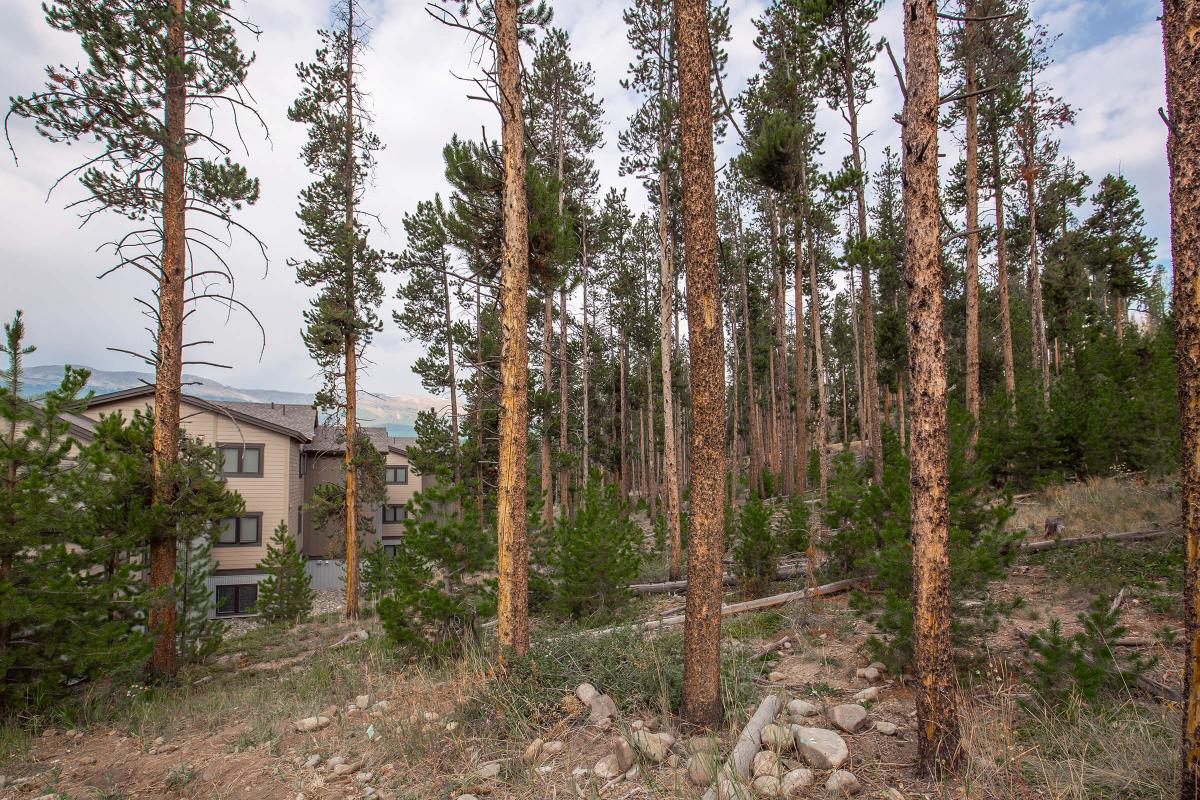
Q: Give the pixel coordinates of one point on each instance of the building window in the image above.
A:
(242, 460)
(393, 474)
(244, 530)
(391, 550)
(239, 599)
(393, 514)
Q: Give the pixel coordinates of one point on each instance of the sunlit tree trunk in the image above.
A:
(513, 555)
(937, 717)
(1181, 42)
(168, 370)
(972, 189)
(1010, 371)
(706, 531)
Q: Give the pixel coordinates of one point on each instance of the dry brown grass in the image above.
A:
(1121, 748)
(1099, 505)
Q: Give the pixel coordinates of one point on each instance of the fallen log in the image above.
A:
(1128, 536)
(749, 742)
(783, 573)
(741, 608)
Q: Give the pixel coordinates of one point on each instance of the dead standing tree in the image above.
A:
(706, 532)
(156, 76)
(1181, 41)
(937, 721)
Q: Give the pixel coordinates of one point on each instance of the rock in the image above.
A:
(729, 789)
(767, 786)
(702, 744)
(776, 677)
(765, 763)
(345, 769)
(586, 693)
(452, 726)
(363, 701)
(868, 674)
(623, 753)
(550, 749)
(431, 716)
(776, 737)
(381, 706)
(359, 635)
(887, 728)
(364, 776)
(637, 725)
(372, 735)
(772, 664)
(50, 796)
(530, 756)
(608, 768)
(842, 784)
(654, 746)
(632, 772)
(867, 695)
(489, 770)
(310, 724)
(702, 768)
(795, 780)
(159, 741)
(893, 794)
(848, 716)
(335, 760)
(313, 760)
(602, 707)
(799, 709)
(578, 772)
(467, 797)
(879, 665)
(87, 761)
(821, 748)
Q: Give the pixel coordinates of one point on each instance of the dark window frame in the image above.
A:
(238, 532)
(391, 550)
(389, 467)
(242, 448)
(403, 510)
(237, 589)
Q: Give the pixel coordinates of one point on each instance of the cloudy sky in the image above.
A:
(1108, 64)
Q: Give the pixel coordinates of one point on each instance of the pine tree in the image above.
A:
(198, 633)
(150, 69)
(342, 319)
(1120, 253)
(286, 594)
(937, 715)
(706, 526)
(755, 547)
(1182, 49)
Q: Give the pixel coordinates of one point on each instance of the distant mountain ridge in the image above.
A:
(396, 412)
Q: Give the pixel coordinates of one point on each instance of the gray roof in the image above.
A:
(400, 444)
(327, 439)
(294, 425)
(286, 415)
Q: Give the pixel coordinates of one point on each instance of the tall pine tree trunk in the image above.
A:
(752, 411)
(564, 471)
(624, 432)
(800, 469)
(972, 189)
(706, 531)
(1037, 320)
(937, 719)
(168, 369)
(870, 379)
(351, 342)
(822, 435)
(513, 554)
(479, 400)
(587, 356)
(453, 385)
(1181, 41)
(547, 377)
(1010, 369)
(666, 305)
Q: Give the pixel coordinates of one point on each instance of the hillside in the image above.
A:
(396, 412)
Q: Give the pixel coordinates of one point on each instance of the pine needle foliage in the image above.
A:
(285, 596)
(595, 554)
(755, 547)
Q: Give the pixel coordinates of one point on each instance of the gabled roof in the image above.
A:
(400, 444)
(299, 426)
(81, 427)
(328, 439)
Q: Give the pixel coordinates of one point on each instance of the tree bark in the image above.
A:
(1181, 43)
(168, 369)
(706, 532)
(547, 475)
(822, 435)
(666, 305)
(972, 189)
(1037, 320)
(453, 385)
(564, 471)
(1010, 370)
(937, 720)
(801, 388)
(513, 555)
(351, 343)
(587, 356)
(624, 432)
(752, 415)
(870, 371)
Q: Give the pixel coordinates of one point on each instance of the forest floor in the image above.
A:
(228, 729)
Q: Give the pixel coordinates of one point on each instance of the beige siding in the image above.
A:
(399, 494)
(270, 495)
